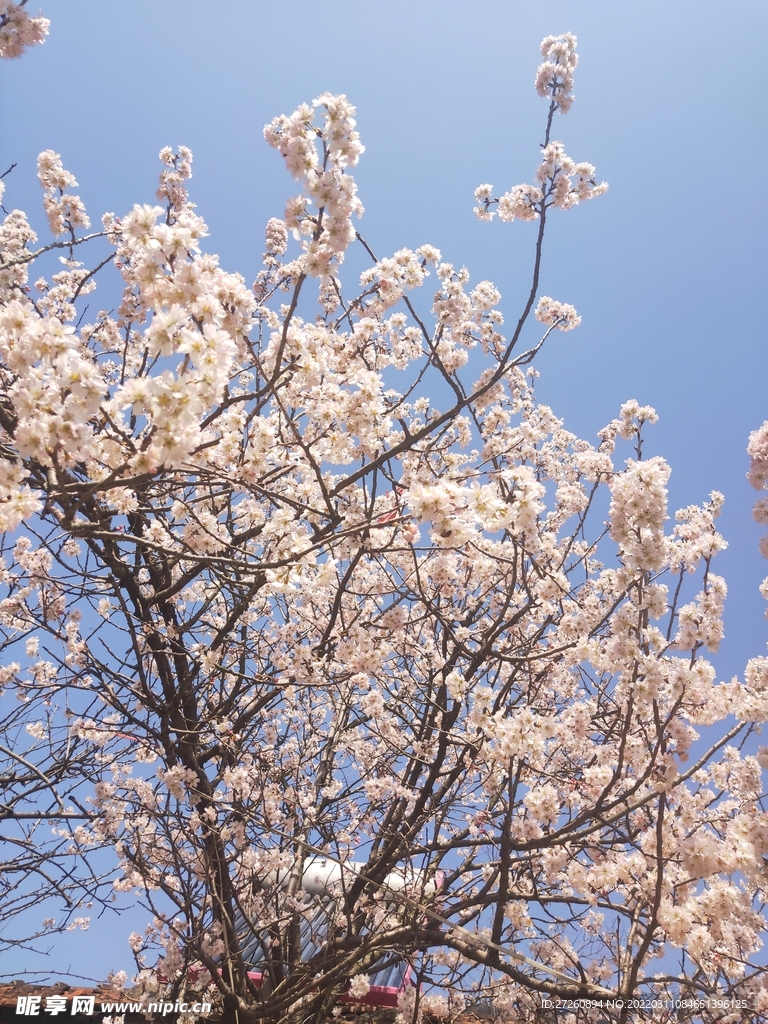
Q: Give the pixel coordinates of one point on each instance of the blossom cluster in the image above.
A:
(564, 182)
(557, 314)
(638, 513)
(19, 31)
(554, 77)
(65, 212)
(390, 278)
(521, 202)
(758, 476)
(322, 171)
(178, 164)
(561, 181)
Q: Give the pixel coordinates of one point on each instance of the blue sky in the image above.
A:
(667, 270)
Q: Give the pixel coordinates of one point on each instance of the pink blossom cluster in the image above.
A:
(561, 181)
(171, 189)
(65, 212)
(565, 183)
(276, 234)
(557, 314)
(520, 203)
(638, 513)
(464, 317)
(321, 169)
(19, 31)
(758, 476)
(57, 385)
(554, 77)
(390, 278)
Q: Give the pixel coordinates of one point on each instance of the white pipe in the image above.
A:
(321, 872)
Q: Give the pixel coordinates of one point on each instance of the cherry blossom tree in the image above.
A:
(312, 616)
